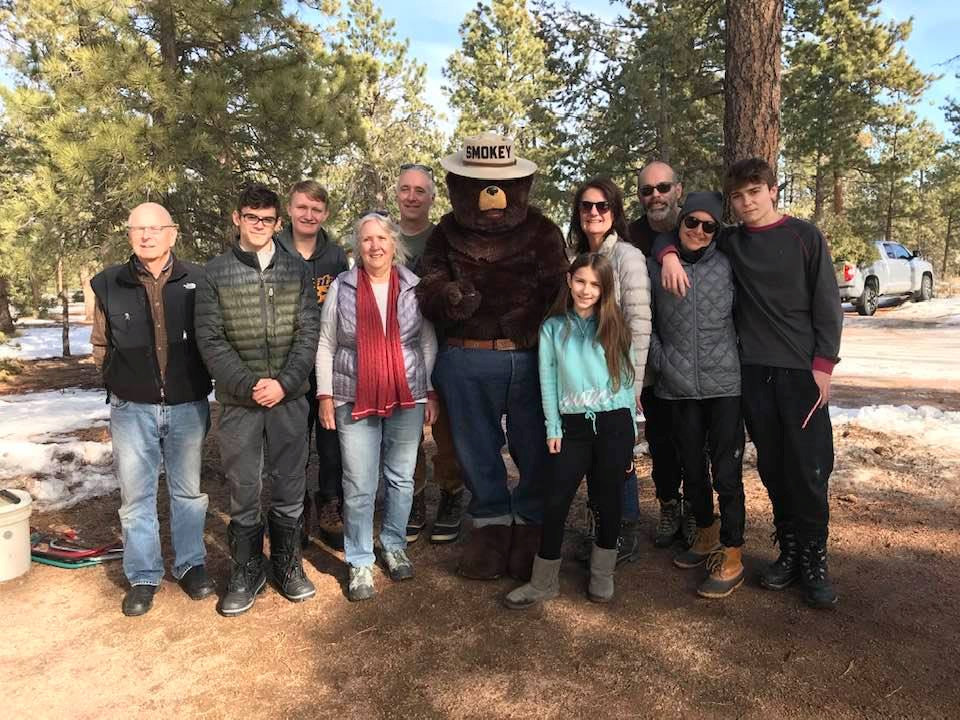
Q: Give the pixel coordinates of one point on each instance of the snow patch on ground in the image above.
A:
(938, 311)
(35, 343)
(57, 470)
(930, 425)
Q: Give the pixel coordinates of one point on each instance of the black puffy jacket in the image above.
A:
(254, 324)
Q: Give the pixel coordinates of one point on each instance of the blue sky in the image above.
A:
(432, 31)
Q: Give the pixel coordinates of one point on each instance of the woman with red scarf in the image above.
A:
(374, 363)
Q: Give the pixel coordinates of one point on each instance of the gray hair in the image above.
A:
(424, 170)
(400, 252)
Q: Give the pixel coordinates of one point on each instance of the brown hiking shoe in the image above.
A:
(330, 523)
(707, 542)
(726, 573)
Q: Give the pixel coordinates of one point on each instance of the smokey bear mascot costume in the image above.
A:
(490, 272)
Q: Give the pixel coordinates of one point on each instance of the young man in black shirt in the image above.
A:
(789, 320)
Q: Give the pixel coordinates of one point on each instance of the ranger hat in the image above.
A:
(488, 156)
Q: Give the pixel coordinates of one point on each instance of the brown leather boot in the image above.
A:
(726, 573)
(486, 554)
(708, 541)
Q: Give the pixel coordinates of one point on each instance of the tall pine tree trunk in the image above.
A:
(838, 204)
(818, 191)
(65, 307)
(751, 119)
(6, 319)
(946, 246)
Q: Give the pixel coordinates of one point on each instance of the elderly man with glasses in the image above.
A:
(145, 346)
(257, 329)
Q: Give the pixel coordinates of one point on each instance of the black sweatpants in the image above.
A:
(658, 431)
(603, 456)
(794, 462)
(718, 423)
(327, 484)
(257, 439)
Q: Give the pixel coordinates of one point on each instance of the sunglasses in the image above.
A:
(662, 188)
(417, 166)
(602, 207)
(709, 227)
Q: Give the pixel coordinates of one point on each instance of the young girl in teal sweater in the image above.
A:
(586, 380)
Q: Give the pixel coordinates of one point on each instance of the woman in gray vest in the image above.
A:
(694, 351)
(374, 362)
(598, 224)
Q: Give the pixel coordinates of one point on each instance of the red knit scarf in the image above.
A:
(381, 372)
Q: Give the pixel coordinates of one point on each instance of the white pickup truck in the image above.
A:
(894, 270)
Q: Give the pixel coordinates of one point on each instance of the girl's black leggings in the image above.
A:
(604, 455)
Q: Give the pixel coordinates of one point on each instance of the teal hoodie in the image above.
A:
(573, 373)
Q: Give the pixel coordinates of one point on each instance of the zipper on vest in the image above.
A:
(264, 320)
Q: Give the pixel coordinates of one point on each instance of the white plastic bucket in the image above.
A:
(15, 535)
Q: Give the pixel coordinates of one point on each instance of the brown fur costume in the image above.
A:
(491, 273)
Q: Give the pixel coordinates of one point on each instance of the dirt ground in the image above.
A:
(443, 647)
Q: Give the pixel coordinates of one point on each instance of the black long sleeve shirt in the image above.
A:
(788, 311)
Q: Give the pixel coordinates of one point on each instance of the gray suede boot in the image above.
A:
(602, 564)
(544, 584)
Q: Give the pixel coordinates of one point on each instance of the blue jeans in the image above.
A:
(481, 386)
(144, 438)
(364, 444)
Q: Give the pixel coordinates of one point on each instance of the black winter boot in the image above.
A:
(817, 590)
(785, 570)
(286, 561)
(247, 578)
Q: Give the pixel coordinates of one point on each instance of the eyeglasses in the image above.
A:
(603, 207)
(143, 229)
(255, 220)
(662, 188)
(417, 166)
(709, 227)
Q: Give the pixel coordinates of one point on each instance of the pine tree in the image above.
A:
(751, 120)
(397, 126)
(499, 80)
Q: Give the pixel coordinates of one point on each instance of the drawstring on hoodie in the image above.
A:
(592, 417)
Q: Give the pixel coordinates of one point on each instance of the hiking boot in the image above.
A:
(247, 578)
(398, 565)
(418, 517)
(603, 562)
(544, 584)
(628, 544)
(487, 552)
(138, 600)
(785, 569)
(668, 527)
(707, 542)
(360, 586)
(446, 528)
(197, 583)
(818, 592)
(688, 525)
(286, 561)
(726, 573)
(330, 522)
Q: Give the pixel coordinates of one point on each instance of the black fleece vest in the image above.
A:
(130, 368)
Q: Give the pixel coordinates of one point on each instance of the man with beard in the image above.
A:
(659, 191)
